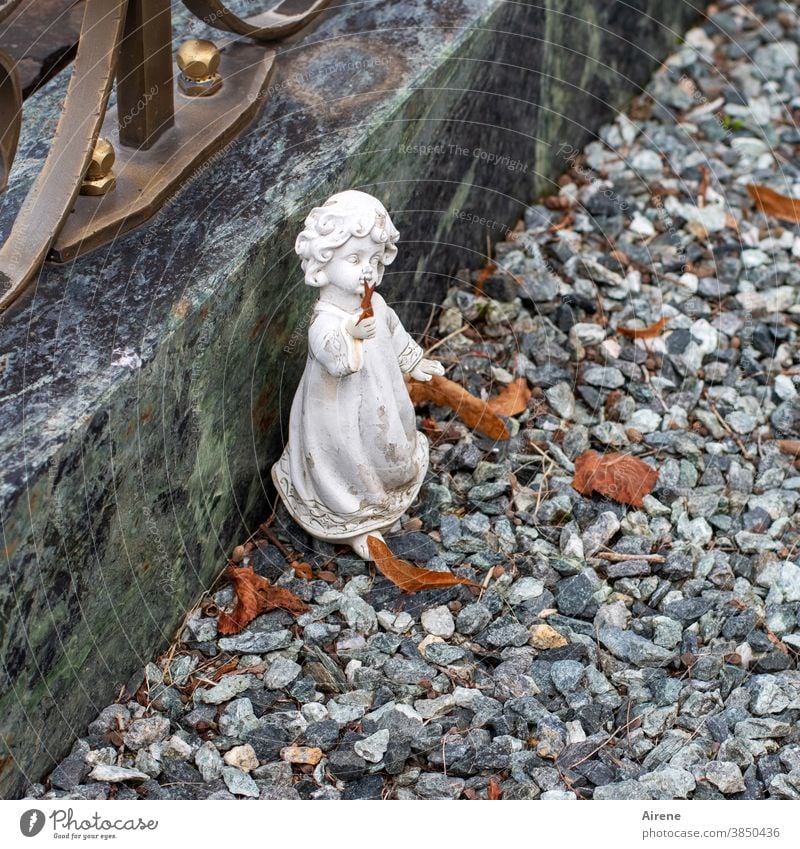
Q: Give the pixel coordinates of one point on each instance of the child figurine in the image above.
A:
(354, 461)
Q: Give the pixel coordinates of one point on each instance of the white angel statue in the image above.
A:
(354, 460)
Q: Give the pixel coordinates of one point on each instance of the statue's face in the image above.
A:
(357, 260)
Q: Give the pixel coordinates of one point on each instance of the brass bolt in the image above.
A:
(198, 61)
(99, 177)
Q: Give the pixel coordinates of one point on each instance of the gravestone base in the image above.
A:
(146, 385)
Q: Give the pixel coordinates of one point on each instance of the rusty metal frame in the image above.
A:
(7, 7)
(267, 26)
(146, 178)
(10, 115)
(55, 189)
(156, 147)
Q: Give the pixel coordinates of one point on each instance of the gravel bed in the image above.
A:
(572, 675)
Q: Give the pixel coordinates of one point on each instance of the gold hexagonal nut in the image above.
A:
(102, 160)
(98, 187)
(198, 61)
(99, 178)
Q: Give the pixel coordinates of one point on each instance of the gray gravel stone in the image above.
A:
(209, 762)
(111, 718)
(600, 532)
(505, 631)
(239, 783)
(669, 783)
(524, 589)
(433, 786)
(443, 654)
(725, 776)
(761, 728)
(281, 673)
(70, 772)
(605, 377)
(438, 621)
(259, 642)
(360, 616)
(561, 400)
(143, 732)
(374, 747)
(637, 650)
(238, 719)
(566, 674)
(629, 789)
(509, 682)
(473, 618)
(229, 687)
(773, 60)
(573, 594)
(105, 772)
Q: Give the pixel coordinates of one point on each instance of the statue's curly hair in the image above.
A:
(346, 214)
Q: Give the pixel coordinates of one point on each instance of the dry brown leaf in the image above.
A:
(410, 579)
(471, 410)
(777, 642)
(624, 478)
(366, 303)
(302, 570)
(485, 274)
(227, 668)
(255, 595)
(775, 204)
(494, 790)
(513, 400)
(431, 429)
(566, 220)
(702, 188)
(648, 332)
(789, 446)
(441, 435)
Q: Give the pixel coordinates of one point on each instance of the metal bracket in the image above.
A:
(74, 206)
(283, 19)
(145, 178)
(54, 191)
(10, 115)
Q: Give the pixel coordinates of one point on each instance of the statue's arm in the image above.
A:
(406, 349)
(333, 347)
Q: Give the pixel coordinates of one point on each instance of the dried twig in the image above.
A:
(733, 435)
(446, 339)
(620, 558)
(703, 186)
(660, 400)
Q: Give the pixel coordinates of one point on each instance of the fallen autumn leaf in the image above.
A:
(254, 595)
(513, 400)
(775, 204)
(471, 410)
(494, 791)
(410, 579)
(624, 478)
(648, 332)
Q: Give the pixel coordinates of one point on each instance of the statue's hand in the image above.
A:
(367, 329)
(426, 369)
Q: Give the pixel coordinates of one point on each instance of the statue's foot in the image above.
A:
(359, 544)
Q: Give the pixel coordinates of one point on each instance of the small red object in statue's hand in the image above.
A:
(366, 302)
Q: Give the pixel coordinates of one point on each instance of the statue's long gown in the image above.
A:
(354, 460)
